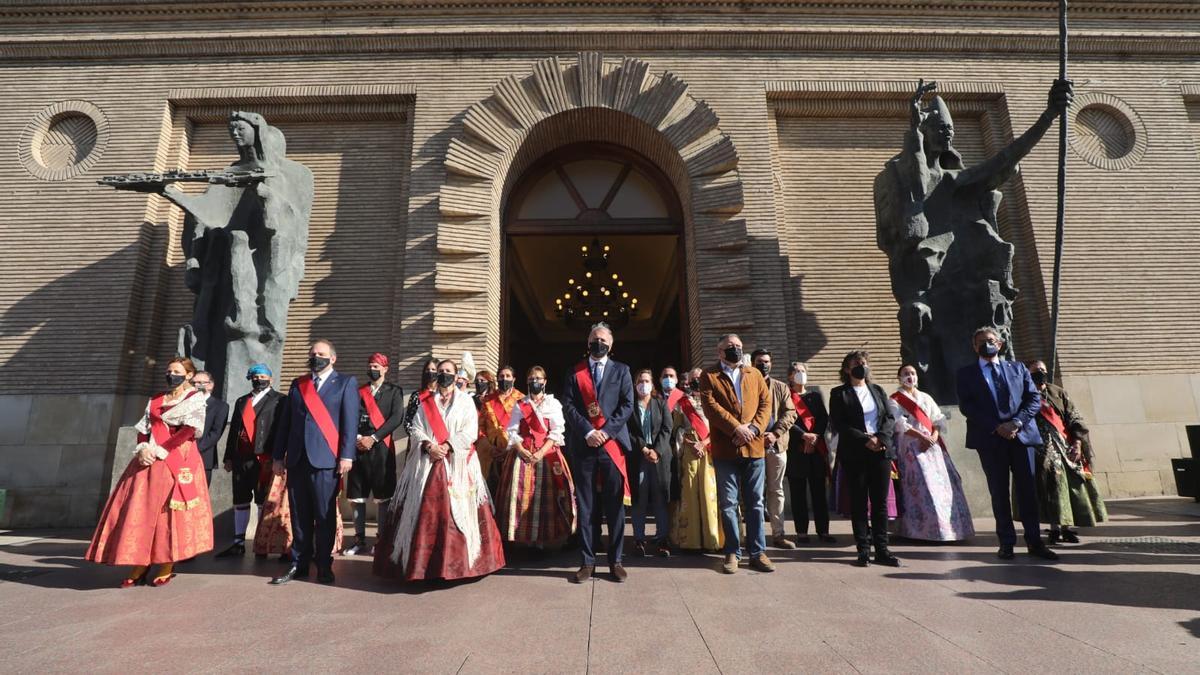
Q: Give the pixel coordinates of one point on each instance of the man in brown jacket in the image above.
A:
(737, 403)
(783, 416)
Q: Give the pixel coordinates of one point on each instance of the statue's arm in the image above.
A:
(992, 173)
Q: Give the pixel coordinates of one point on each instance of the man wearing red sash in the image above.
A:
(248, 452)
(597, 403)
(374, 471)
(808, 457)
(315, 446)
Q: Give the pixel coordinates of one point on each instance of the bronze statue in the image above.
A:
(951, 271)
(244, 239)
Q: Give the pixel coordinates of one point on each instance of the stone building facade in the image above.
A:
(755, 131)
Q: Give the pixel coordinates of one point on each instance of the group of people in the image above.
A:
(705, 456)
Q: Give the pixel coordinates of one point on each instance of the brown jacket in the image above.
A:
(783, 410)
(720, 402)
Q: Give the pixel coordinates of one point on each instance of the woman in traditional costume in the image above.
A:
(935, 508)
(1066, 490)
(535, 499)
(495, 411)
(697, 521)
(444, 528)
(159, 512)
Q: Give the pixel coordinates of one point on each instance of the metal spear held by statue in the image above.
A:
(1063, 125)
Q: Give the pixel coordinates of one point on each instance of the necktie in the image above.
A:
(998, 381)
(317, 382)
(597, 373)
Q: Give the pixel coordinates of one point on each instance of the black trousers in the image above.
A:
(998, 462)
(868, 477)
(807, 476)
(593, 463)
(312, 494)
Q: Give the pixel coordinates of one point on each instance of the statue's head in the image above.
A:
(246, 129)
(938, 126)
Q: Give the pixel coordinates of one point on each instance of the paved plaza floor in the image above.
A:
(1125, 600)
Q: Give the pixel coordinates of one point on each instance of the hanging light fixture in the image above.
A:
(599, 295)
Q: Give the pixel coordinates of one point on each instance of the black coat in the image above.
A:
(216, 416)
(846, 418)
(390, 399)
(265, 422)
(659, 440)
(816, 405)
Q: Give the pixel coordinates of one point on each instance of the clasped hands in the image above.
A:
(650, 455)
(810, 443)
(436, 451)
(1007, 430)
(874, 444)
(701, 448)
(596, 438)
(743, 434)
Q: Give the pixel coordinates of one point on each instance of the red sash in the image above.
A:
(318, 411)
(434, 417)
(249, 418)
(533, 431)
(694, 418)
(910, 406)
(183, 495)
(810, 423)
(587, 390)
(502, 415)
(373, 412)
(673, 399)
(1051, 415)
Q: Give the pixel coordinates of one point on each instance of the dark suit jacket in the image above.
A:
(216, 416)
(298, 435)
(846, 418)
(616, 402)
(390, 399)
(816, 405)
(659, 439)
(984, 413)
(725, 413)
(265, 424)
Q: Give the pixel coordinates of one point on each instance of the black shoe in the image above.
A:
(1041, 551)
(639, 547)
(325, 576)
(1070, 536)
(802, 539)
(827, 539)
(885, 557)
(863, 560)
(1005, 553)
(618, 572)
(1054, 538)
(294, 572)
(584, 573)
(237, 548)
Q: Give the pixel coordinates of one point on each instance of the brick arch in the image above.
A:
(559, 103)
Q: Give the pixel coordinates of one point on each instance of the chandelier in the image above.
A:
(599, 295)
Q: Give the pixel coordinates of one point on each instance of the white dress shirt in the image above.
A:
(735, 374)
(870, 409)
(255, 398)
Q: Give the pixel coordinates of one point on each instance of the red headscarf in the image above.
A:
(379, 359)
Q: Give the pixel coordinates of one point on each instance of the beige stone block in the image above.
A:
(1104, 445)
(97, 418)
(1101, 479)
(1168, 482)
(1080, 391)
(36, 507)
(1168, 398)
(1117, 399)
(56, 419)
(14, 418)
(33, 466)
(1135, 484)
(1143, 447)
(81, 467)
(84, 510)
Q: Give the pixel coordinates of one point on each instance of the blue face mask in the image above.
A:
(668, 383)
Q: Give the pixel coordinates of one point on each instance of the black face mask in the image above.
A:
(764, 369)
(481, 386)
(259, 385)
(174, 380)
(597, 349)
(733, 355)
(536, 388)
(694, 386)
(427, 376)
(987, 350)
(374, 374)
(860, 372)
(445, 379)
(317, 363)
(1039, 378)
(505, 385)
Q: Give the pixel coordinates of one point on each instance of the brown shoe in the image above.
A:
(780, 542)
(731, 564)
(618, 572)
(762, 563)
(584, 573)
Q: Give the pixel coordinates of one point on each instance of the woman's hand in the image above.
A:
(650, 455)
(437, 452)
(810, 443)
(146, 456)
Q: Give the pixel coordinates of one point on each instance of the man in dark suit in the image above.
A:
(1000, 400)
(216, 416)
(597, 403)
(315, 445)
(374, 473)
(248, 451)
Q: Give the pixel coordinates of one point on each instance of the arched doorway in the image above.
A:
(593, 232)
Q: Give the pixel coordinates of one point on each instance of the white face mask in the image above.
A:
(800, 378)
(909, 381)
(645, 388)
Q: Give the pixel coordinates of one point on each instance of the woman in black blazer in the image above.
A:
(860, 414)
(650, 463)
